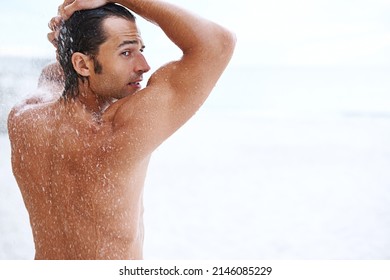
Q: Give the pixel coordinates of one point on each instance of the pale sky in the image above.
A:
(277, 32)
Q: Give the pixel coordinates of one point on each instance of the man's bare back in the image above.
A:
(83, 187)
(81, 163)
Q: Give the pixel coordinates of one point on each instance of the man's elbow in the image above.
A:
(230, 42)
(224, 44)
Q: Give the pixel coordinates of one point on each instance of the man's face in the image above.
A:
(121, 60)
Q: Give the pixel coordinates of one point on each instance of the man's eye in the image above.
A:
(126, 53)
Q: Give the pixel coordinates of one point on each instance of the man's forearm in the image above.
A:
(184, 28)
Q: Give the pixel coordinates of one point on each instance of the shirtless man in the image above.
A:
(81, 160)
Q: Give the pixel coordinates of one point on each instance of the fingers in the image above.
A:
(54, 25)
(56, 22)
(66, 3)
(53, 38)
(67, 9)
(64, 11)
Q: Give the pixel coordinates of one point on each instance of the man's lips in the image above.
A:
(135, 84)
(138, 81)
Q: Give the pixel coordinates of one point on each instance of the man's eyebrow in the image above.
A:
(131, 42)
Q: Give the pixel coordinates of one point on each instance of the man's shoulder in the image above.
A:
(17, 120)
(27, 111)
(20, 110)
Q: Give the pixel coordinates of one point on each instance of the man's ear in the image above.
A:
(81, 64)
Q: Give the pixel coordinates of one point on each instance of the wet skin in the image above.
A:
(81, 164)
(82, 181)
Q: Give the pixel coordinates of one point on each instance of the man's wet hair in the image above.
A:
(84, 32)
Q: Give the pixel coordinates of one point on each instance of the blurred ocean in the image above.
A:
(281, 163)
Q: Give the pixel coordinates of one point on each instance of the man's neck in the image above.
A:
(90, 106)
(93, 103)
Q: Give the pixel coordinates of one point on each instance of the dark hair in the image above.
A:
(83, 32)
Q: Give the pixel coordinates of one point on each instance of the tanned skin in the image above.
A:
(81, 163)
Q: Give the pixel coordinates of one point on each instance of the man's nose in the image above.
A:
(142, 65)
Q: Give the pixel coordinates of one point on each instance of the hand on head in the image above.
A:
(54, 25)
(66, 10)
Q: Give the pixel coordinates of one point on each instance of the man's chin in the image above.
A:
(135, 91)
(127, 94)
